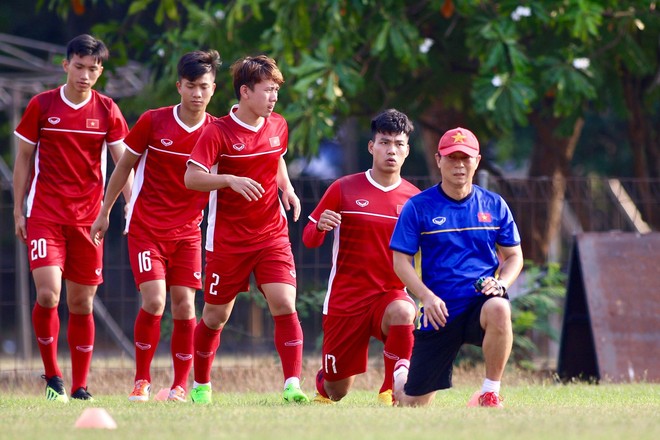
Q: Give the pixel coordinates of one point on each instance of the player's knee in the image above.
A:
(498, 315)
(400, 313)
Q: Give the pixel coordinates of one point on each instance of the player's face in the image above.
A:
(389, 151)
(195, 95)
(261, 101)
(82, 73)
(457, 169)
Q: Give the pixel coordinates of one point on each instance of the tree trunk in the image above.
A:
(551, 158)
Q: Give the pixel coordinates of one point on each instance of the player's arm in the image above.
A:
(118, 180)
(325, 216)
(22, 168)
(435, 310)
(117, 151)
(199, 179)
(289, 197)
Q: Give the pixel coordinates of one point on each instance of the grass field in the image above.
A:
(564, 412)
(246, 407)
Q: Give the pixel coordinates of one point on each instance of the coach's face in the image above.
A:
(457, 169)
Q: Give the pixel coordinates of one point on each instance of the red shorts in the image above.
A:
(178, 262)
(228, 274)
(346, 338)
(67, 247)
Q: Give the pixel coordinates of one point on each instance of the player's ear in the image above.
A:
(370, 146)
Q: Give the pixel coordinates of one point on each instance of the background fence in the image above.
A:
(591, 204)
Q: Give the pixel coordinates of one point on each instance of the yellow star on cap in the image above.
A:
(459, 138)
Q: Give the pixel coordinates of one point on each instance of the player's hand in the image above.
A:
(98, 229)
(328, 220)
(248, 188)
(435, 311)
(291, 200)
(493, 287)
(19, 227)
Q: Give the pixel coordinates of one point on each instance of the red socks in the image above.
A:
(289, 343)
(80, 335)
(182, 350)
(206, 343)
(46, 325)
(146, 334)
(398, 345)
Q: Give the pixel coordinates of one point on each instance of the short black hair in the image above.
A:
(391, 121)
(86, 45)
(195, 64)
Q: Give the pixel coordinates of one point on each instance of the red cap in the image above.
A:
(458, 139)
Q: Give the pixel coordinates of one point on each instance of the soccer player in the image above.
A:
(164, 237)
(365, 298)
(470, 255)
(68, 130)
(239, 159)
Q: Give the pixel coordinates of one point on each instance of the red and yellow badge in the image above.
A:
(92, 123)
(484, 217)
(399, 208)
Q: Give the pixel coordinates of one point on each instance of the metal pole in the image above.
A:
(22, 285)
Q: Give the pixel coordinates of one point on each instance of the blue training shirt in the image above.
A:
(456, 239)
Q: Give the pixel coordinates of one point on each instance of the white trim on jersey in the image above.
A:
(20, 136)
(379, 186)
(62, 130)
(71, 104)
(160, 150)
(183, 124)
(333, 271)
(369, 214)
(33, 187)
(240, 156)
(213, 206)
(138, 181)
(243, 124)
(200, 165)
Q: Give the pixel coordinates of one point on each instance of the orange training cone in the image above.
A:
(162, 395)
(95, 418)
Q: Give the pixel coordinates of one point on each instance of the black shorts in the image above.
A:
(434, 351)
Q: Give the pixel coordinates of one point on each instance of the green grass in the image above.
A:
(561, 412)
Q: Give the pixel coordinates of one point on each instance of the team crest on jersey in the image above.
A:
(484, 217)
(54, 120)
(362, 203)
(92, 123)
(166, 142)
(274, 141)
(439, 221)
(238, 147)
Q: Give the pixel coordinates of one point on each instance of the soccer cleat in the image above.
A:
(140, 391)
(322, 400)
(487, 400)
(55, 389)
(385, 398)
(293, 394)
(177, 394)
(201, 394)
(82, 394)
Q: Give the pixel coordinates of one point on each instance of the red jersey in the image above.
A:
(70, 160)
(229, 146)
(161, 205)
(361, 256)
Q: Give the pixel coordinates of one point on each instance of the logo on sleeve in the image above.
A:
(54, 120)
(197, 275)
(166, 142)
(98, 271)
(92, 123)
(238, 147)
(274, 141)
(362, 203)
(484, 217)
(439, 221)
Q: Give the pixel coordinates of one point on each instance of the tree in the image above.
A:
(494, 66)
